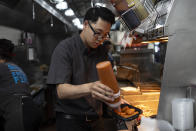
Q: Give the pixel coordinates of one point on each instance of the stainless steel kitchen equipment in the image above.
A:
(179, 69)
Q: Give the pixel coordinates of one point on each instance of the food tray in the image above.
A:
(115, 115)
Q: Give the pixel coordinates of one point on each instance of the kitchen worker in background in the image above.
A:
(108, 45)
(73, 72)
(17, 110)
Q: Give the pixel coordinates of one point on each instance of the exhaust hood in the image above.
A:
(34, 16)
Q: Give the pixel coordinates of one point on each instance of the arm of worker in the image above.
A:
(96, 89)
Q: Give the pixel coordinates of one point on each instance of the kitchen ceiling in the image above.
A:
(79, 6)
(43, 15)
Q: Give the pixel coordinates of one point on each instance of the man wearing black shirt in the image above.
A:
(73, 72)
(17, 110)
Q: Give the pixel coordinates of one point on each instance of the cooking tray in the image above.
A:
(115, 115)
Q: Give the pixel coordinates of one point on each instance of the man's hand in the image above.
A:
(123, 101)
(101, 92)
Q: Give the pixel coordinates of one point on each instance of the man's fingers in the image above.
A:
(123, 101)
(104, 87)
(101, 97)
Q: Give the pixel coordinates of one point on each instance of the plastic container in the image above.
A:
(182, 113)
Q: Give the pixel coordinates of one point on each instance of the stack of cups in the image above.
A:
(182, 113)
(107, 77)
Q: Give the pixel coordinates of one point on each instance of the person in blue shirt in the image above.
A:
(17, 109)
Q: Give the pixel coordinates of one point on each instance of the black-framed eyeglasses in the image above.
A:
(98, 35)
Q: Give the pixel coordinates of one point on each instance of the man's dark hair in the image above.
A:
(99, 12)
(6, 49)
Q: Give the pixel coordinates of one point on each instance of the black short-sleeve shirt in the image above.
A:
(73, 63)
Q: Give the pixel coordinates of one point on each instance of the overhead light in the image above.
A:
(69, 12)
(62, 6)
(77, 23)
(59, 1)
(56, 1)
(80, 26)
(100, 4)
